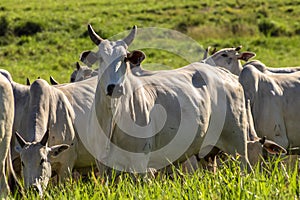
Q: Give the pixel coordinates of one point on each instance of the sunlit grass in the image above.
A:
(270, 180)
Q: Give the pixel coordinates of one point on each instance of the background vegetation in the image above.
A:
(42, 38)
(39, 38)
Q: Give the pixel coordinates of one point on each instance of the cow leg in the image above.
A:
(106, 172)
(5, 141)
(238, 149)
(3, 182)
(67, 161)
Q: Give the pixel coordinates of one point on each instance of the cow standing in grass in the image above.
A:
(194, 92)
(275, 100)
(6, 123)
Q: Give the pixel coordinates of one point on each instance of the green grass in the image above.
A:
(43, 38)
(46, 37)
(271, 181)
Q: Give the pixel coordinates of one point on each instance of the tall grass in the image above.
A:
(271, 180)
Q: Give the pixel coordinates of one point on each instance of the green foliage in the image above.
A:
(271, 28)
(46, 38)
(3, 26)
(28, 28)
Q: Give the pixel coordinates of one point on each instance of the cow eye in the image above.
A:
(224, 55)
(22, 163)
(42, 161)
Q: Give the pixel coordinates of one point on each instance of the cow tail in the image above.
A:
(13, 181)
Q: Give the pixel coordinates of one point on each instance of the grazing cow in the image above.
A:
(43, 110)
(47, 108)
(229, 58)
(274, 100)
(6, 124)
(127, 101)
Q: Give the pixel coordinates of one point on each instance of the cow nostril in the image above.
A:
(34, 188)
(110, 89)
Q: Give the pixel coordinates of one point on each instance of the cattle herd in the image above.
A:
(110, 117)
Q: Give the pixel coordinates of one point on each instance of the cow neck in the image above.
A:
(239, 69)
(134, 105)
(39, 111)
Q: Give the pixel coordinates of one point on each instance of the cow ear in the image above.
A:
(45, 138)
(136, 57)
(57, 149)
(88, 57)
(20, 140)
(245, 56)
(273, 148)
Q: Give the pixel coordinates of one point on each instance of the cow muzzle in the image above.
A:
(37, 188)
(114, 90)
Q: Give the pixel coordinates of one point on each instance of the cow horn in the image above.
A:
(206, 52)
(214, 51)
(262, 140)
(45, 138)
(27, 81)
(93, 35)
(128, 40)
(78, 66)
(53, 81)
(238, 48)
(21, 141)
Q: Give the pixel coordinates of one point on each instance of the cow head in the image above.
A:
(113, 77)
(35, 158)
(255, 149)
(84, 72)
(111, 56)
(108, 51)
(229, 58)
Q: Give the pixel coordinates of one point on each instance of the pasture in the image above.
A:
(43, 38)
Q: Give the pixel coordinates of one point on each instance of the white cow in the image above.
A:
(275, 102)
(41, 109)
(194, 92)
(6, 123)
(47, 137)
(82, 73)
(268, 70)
(230, 58)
